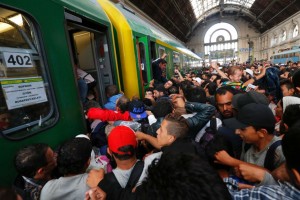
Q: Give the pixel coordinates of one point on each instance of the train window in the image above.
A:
(25, 101)
(143, 67)
(185, 61)
(161, 51)
(176, 58)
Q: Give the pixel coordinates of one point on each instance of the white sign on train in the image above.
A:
(23, 92)
(17, 59)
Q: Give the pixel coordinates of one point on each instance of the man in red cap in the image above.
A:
(129, 172)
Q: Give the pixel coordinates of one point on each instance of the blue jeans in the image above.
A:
(83, 90)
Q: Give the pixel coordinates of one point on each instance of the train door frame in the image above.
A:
(153, 56)
(101, 73)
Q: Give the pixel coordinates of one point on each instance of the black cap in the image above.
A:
(137, 109)
(242, 99)
(253, 114)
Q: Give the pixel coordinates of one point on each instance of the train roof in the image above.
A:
(89, 8)
(288, 51)
(140, 26)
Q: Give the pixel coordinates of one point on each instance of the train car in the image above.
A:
(41, 47)
(285, 56)
(39, 96)
(138, 44)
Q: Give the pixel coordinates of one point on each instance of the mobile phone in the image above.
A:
(250, 87)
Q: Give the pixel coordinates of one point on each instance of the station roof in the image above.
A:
(181, 17)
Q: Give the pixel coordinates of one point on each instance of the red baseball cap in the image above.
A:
(119, 137)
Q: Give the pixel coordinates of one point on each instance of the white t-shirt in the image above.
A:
(85, 76)
(73, 187)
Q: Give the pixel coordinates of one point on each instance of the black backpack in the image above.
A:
(110, 183)
(209, 134)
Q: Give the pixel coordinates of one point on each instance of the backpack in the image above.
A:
(209, 133)
(98, 136)
(110, 182)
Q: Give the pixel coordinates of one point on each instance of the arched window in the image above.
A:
(220, 43)
(296, 31)
(283, 36)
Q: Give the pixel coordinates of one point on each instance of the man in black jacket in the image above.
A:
(158, 66)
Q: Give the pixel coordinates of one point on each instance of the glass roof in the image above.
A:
(201, 6)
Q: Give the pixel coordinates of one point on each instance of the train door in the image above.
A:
(89, 47)
(143, 54)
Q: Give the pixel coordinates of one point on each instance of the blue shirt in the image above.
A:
(284, 191)
(111, 102)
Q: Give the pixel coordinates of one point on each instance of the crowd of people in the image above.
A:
(219, 133)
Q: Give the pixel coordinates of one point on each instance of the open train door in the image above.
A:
(90, 49)
(144, 61)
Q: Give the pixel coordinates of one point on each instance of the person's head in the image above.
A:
(162, 108)
(182, 176)
(291, 114)
(213, 77)
(188, 76)
(73, 156)
(168, 84)
(296, 81)
(4, 120)
(122, 104)
(204, 76)
(287, 87)
(35, 161)
(183, 86)
(195, 94)
(193, 74)
(291, 148)
(210, 88)
(162, 64)
(253, 122)
(91, 104)
(242, 99)
(235, 73)
(122, 143)
(159, 91)
(149, 91)
(173, 90)
(196, 81)
(111, 90)
(294, 64)
(171, 128)
(137, 110)
(223, 98)
(248, 73)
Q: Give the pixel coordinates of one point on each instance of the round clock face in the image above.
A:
(220, 39)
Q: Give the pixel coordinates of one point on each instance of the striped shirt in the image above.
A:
(284, 191)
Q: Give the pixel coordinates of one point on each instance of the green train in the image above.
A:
(40, 44)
